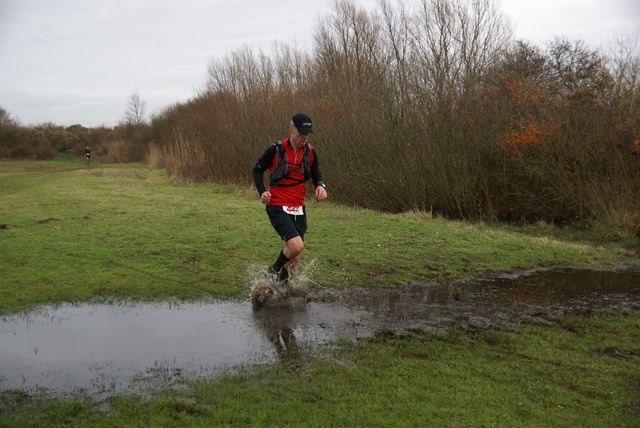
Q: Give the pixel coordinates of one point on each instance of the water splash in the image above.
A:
(266, 290)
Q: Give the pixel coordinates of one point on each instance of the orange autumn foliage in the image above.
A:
(527, 132)
(522, 96)
(527, 135)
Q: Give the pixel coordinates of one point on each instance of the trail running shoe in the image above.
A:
(284, 277)
(271, 274)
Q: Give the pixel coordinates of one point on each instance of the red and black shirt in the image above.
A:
(290, 191)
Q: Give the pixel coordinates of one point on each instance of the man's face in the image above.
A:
(298, 140)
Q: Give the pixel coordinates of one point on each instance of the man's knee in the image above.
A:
(295, 247)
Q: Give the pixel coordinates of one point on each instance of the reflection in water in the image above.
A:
(113, 348)
(278, 324)
(131, 347)
(105, 349)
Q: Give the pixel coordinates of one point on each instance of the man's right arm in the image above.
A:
(261, 166)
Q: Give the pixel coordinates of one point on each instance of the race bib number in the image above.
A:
(294, 210)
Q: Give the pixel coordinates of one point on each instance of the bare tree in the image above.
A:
(624, 54)
(348, 49)
(136, 110)
(5, 117)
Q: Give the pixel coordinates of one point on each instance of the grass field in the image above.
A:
(75, 233)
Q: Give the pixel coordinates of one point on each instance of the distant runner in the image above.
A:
(291, 162)
(87, 155)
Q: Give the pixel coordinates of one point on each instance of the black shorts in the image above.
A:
(288, 226)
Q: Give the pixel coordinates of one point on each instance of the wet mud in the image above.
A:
(100, 349)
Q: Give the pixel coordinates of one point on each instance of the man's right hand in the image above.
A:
(265, 197)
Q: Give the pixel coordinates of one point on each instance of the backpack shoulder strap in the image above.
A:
(280, 169)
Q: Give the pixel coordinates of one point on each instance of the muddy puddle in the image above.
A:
(100, 349)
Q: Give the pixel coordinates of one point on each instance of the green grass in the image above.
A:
(122, 231)
(77, 232)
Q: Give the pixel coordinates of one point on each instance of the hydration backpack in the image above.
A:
(280, 170)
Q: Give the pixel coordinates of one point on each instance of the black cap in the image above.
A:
(303, 123)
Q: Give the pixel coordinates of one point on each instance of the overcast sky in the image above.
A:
(78, 61)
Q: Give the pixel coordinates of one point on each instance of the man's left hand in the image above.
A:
(321, 193)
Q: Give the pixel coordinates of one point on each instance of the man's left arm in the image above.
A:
(316, 178)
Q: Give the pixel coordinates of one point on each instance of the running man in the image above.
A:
(291, 162)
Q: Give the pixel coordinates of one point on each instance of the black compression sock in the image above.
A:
(281, 261)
